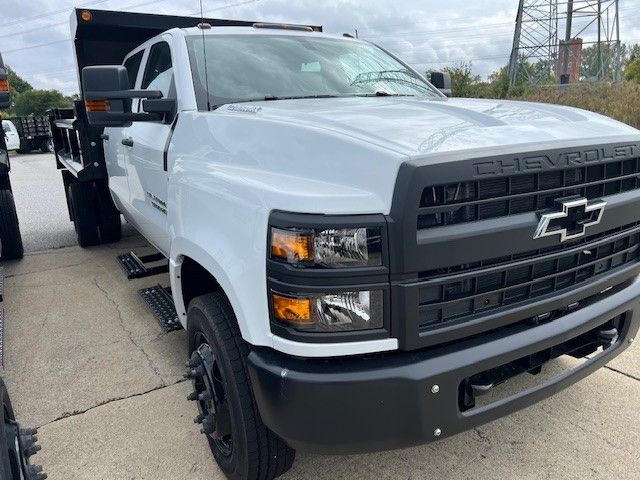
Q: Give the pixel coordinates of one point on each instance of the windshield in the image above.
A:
(242, 68)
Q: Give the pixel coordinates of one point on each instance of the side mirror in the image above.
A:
(442, 81)
(5, 101)
(107, 97)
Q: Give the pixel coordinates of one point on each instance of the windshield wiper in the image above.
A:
(270, 98)
(382, 93)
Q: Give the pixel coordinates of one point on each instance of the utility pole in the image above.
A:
(564, 77)
(513, 61)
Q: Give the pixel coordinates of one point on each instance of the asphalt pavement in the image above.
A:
(87, 364)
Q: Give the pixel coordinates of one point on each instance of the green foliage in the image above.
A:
(17, 84)
(37, 102)
(632, 71)
(463, 81)
(29, 101)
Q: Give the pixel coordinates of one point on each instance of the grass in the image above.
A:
(621, 101)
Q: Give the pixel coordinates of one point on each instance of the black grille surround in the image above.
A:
(498, 197)
(463, 257)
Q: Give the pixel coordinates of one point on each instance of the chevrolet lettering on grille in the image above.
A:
(575, 215)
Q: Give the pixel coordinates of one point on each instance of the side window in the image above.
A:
(158, 74)
(132, 64)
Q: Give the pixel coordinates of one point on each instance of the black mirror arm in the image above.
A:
(124, 94)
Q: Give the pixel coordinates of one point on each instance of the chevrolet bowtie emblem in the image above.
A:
(575, 215)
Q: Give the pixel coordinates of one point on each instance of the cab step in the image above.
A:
(161, 304)
(135, 266)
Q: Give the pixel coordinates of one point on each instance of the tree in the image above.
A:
(37, 102)
(463, 81)
(17, 83)
(632, 71)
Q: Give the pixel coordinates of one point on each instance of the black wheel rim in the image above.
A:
(212, 401)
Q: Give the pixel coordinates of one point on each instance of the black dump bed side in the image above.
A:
(103, 37)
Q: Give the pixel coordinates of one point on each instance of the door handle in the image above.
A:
(127, 142)
(104, 136)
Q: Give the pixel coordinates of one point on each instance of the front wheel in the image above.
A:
(243, 446)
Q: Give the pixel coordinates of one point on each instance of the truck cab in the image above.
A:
(356, 258)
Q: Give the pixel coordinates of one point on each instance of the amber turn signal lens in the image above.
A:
(4, 85)
(291, 245)
(296, 311)
(86, 15)
(97, 105)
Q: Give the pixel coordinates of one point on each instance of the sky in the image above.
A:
(427, 34)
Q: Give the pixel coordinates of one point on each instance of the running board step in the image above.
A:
(161, 304)
(136, 267)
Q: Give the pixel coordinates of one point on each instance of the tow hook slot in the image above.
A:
(600, 338)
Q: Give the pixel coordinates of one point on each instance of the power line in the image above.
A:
(37, 29)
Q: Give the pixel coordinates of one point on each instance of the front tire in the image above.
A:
(243, 446)
(11, 247)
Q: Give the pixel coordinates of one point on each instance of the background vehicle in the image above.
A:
(357, 260)
(33, 132)
(11, 136)
(10, 239)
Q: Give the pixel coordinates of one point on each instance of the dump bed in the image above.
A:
(32, 126)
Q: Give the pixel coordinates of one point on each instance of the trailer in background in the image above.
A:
(10, 240)
(34, 133)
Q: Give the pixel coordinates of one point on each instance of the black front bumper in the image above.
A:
(353, 405)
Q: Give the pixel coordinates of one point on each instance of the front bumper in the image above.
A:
(354, 405)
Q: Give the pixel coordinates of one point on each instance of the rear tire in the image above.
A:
(46, 147)
(85, 219)
(109, 223)
(11, 247)
(256, 453)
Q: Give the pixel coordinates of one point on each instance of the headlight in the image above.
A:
(327, 248)
(345, 311)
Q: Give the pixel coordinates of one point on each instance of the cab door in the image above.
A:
(147, 143)
(115, 152)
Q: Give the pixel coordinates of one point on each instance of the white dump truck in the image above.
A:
(357, 259)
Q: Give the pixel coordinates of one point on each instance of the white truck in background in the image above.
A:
(356, 259)
(11, 137)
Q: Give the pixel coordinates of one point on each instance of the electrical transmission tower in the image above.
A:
(589, 47)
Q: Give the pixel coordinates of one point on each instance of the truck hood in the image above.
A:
(417, 127)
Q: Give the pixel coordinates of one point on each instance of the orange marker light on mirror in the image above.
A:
(291, 245)
(86, 15)
(97, 105)
(296, 311)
